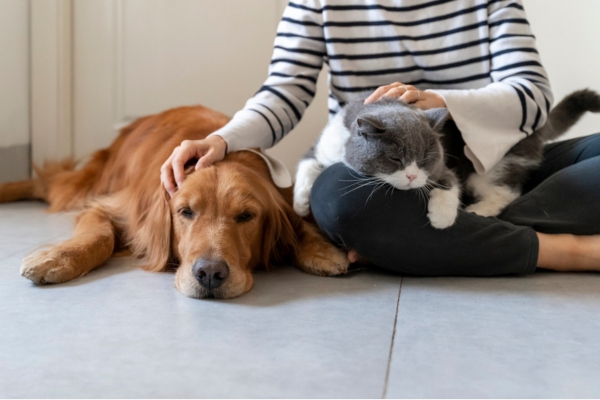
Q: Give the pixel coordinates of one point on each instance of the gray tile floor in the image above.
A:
(122, 332)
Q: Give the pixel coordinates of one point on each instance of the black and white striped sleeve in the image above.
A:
(494, 118)
(290, 87)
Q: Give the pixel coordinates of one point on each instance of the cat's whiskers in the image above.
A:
(391, 180)
(357, 181)
(358, 177)
(437, 185)
(427, 190)
(443, 154)
(426, 159)
(390, 187)
(378, 186)
(421, 194)
(365, 182)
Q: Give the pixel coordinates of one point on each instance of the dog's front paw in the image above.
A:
(323, 259)
(48, 266)
(443, 208)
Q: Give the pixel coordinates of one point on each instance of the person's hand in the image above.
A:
(207, 151)
(409, 94)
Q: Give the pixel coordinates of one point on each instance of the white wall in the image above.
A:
(136, 57)
(14, 73)
(568, 39)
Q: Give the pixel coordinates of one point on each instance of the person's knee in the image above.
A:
(329, 203)
(350, 207)
(591, 147)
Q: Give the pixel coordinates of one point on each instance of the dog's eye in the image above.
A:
(244, 217)
(187, 212)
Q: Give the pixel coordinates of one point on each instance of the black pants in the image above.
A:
(390, 227)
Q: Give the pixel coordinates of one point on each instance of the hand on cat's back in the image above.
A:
(424, 100)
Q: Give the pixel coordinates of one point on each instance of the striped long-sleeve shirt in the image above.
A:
(479, 55)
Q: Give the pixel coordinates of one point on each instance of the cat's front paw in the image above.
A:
(485, 209)
(443, 207)
(308, 171)
(302, 197)
(302, 206)
(494, 202)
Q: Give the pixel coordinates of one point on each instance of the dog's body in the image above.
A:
(221, 223)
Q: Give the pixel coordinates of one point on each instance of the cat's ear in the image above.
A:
(437, 117)
(369, 125)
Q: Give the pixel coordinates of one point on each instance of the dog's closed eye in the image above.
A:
(186, 212)
(244, 217)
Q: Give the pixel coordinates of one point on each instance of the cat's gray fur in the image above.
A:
(397, 143)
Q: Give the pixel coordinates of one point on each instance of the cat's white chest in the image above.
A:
(329, 150)
(331, 147)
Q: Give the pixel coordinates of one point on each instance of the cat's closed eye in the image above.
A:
(395, 159)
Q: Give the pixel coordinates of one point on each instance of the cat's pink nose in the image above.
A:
(411, 177)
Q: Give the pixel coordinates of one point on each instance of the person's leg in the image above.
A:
(563, 195)
(390, 229)
(394, 234)
(559, 155)
(566, 252)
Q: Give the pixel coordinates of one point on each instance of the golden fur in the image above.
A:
(237, 214)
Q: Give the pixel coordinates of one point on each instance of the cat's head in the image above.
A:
(396, 142)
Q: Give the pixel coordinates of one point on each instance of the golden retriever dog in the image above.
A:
(223, 221)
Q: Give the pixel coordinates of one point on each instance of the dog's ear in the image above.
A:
(151, 232)
(282, 225)
(281, 231)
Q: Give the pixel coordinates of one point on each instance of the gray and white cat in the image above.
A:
(396, 143)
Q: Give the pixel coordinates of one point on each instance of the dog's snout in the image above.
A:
(210, 273)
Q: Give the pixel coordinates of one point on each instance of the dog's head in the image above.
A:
(225, 220)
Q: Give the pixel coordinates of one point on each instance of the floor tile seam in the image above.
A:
(389, 363)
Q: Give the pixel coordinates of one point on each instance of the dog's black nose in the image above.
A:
(210, 273)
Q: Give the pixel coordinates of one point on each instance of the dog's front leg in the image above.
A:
(317, 256)
(93, 243)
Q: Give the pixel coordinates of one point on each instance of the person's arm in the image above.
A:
(278, 105)
(495, 118)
